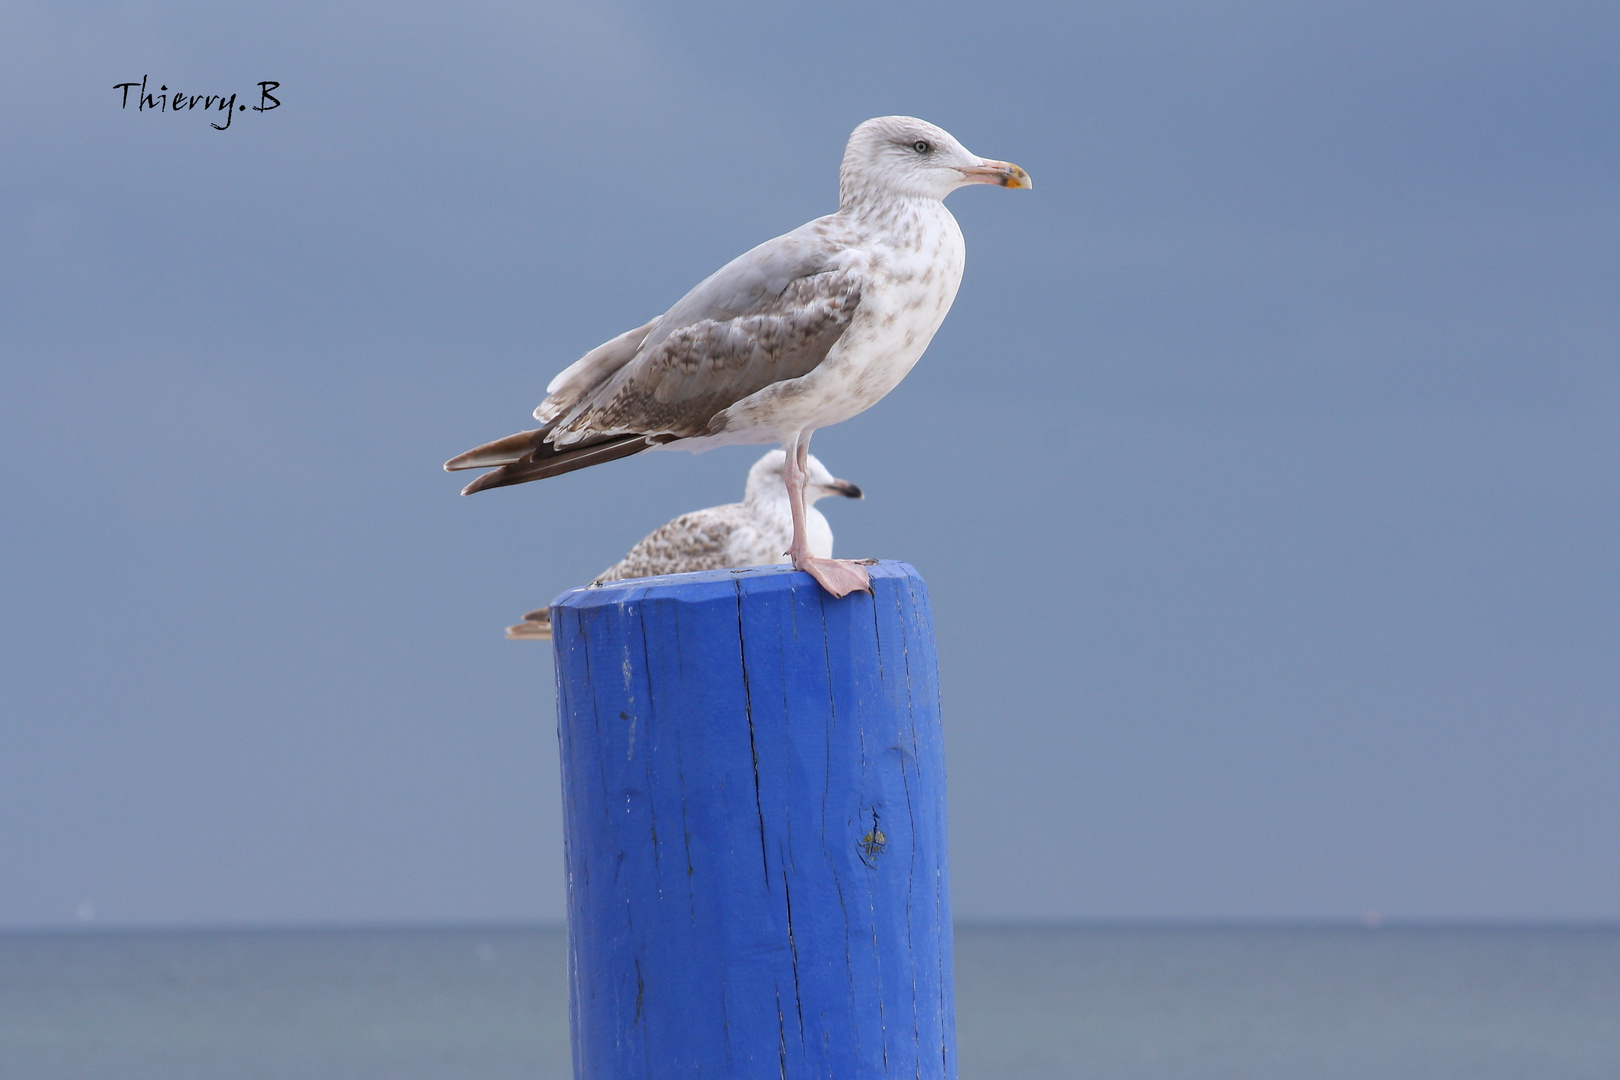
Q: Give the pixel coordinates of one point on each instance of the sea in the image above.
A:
(1035, 1002)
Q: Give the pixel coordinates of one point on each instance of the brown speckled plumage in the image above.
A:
(692, 542)
(754, 532)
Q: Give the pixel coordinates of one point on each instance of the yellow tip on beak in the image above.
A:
(1004, 173)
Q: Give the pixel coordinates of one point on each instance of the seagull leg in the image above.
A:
(838, 576)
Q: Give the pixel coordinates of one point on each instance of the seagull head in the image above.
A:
(765, 480)
(905, 156)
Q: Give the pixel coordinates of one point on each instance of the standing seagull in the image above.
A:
(754, 532)
(801, 332)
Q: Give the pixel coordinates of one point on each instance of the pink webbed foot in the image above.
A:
(838, 576)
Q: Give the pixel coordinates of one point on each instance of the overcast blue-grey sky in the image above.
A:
(1265, 473)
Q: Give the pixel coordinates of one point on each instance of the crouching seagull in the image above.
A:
(754, 532)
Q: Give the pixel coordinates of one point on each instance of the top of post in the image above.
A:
(708, 585)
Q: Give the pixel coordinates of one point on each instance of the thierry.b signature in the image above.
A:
(174, 101)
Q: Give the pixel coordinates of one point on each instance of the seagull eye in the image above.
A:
(922, 146)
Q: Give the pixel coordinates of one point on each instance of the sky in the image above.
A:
(1264, 473)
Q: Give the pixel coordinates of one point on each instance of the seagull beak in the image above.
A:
(990, 171)
(846, 489)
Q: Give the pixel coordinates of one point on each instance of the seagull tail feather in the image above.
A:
(546, 460)
(536, 626)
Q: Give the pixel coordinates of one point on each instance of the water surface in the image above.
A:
(1100, 1003)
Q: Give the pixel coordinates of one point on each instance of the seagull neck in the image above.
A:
(775, 492)
(881, 207)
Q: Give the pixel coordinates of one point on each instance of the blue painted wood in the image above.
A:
(754, 815)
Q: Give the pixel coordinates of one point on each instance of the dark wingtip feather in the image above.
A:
(503, 451)
(493, 478)
(547, 461)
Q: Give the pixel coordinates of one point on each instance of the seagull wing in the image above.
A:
(768, 316)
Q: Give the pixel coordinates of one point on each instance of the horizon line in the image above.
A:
(970, 924)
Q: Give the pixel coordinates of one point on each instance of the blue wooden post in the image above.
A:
(754, 809)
